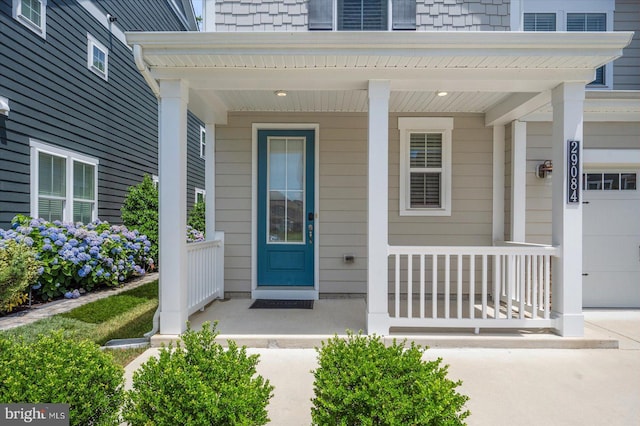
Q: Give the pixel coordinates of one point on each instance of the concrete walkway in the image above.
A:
(506, 386)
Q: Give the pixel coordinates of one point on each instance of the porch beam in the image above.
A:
(516, 106)
(518, 180)
(568, 105)
(210, 180)
(378, 207)
(172, 153)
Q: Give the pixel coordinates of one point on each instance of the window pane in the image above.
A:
(425, 150)
(320, 14)
(362, 15)
(586, 22)
(277, 214)
(295, 164)
(51, 175)
(99, 58)
(611, 181)
(295, 216)
(82, 211)
(539, 21)
(50, 209)
(31, 9)
(628, 181)
(594, 181)
(83, 181)
(277, 164)
(425, 190)
(599, 76)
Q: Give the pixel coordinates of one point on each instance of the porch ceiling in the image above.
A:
(329, 71)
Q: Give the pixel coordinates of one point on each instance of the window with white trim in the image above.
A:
(97, 57)
(203, 137)
(362, 15)
(425, 166)
(32, 14)
(155, 179)
(64, 184)
(583, 15)
(200, 195)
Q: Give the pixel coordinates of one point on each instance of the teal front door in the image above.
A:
(286, 210)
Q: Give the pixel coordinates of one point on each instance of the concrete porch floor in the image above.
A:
(307, 328)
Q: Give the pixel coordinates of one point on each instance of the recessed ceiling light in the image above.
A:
(280, 93)
(442, 93)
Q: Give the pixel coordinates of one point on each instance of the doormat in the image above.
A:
(281, 304)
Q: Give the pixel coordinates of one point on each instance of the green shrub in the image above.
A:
(140, 211)
(360, 381)
(19, 269)
(57, 370)
(196, 218)
(199, 384)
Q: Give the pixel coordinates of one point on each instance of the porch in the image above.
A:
(379, 86)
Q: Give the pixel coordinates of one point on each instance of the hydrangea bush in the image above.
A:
(80, 256)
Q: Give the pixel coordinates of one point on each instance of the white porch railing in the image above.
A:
(205, 279)
(507, 286)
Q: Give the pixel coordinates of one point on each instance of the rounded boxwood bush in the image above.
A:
(360, 381)
(199, 383)
(57, 370)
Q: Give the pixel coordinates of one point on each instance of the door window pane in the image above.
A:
(286, 190)
(611, 181)
(628, 181)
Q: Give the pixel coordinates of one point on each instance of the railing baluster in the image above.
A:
(497, 285)
(410, 286)
(534, 287)
(397, 288)
(484, 286)
(434, 286)
(547, 289)
(472, 285)
(447, 284)
(422, 290)
(459, 288)
(522, 260)
(511, 284)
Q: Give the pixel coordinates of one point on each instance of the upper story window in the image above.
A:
(32, 14)
(203, 135)
(592, 15)
(362, 15)
(64, 185)
(200, 195)
(97, 57)
(425, 166)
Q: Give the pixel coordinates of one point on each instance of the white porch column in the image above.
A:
(568, 103)
(173, 205)
(378, 205)
(518, 180)
(210, 180)
(498, 183)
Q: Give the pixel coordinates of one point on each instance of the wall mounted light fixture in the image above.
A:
(4, 106)
(544, 170)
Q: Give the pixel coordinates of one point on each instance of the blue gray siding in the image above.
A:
(142, 15)
(56, 100)
(626, 70)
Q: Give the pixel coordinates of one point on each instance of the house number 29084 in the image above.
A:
(573, 172)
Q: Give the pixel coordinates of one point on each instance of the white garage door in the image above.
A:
(611, 244)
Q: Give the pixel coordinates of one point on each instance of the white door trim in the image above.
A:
(283, 292)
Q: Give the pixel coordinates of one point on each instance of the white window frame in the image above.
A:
(155, 179)
(203, 141)
(18, 16)
(201, 192)
(561, 10)
(91, 43)
(406, 126)
(67, 213)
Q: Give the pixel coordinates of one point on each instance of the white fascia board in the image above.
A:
(473, 43)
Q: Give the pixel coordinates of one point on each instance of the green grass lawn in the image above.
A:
(125, 315)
